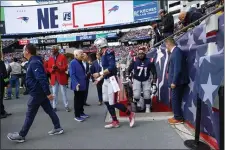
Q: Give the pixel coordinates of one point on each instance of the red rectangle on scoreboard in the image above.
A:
(23, 42)
(89, 24)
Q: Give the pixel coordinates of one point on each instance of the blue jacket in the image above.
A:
(77, 75)
(36, 78)
(178, 70)
(109, 62)
(95, 68)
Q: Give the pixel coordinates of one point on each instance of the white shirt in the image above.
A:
(172, 49)
(23, 64)
(85, 65)
(16, 68)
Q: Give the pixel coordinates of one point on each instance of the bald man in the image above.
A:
(189, 17)
(57, 67)
(78, 85)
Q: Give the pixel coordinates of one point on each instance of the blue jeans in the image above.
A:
(55, 89)
(14, 82)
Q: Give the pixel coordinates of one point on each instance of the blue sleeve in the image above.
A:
(177, 66)
(73, 73)
(112, 61)
(40, 75)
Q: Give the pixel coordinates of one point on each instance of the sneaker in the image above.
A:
(99, 103)
(54, 109)
(132, 119)
(79, 119)
(16, 137)
(56, 131)
(113, 124)
(84, 116)
(147, 110)
(7, 98)
(67, 109)
(17, 97)
(173, 121)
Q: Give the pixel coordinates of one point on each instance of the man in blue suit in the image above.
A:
(178, 79)
(78, 85)
(97, 68)
(38, 88)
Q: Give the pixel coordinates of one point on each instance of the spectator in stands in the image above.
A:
(167, 23)
(189, 17)
(57, 67)
(15, 73)
(24, 65)
(157, 34)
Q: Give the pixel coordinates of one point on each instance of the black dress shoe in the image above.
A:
(3, 116)
(86, 104)
(8, 114)
(25, 93)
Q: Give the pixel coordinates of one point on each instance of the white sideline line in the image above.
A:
(155, 116)
(181, 128)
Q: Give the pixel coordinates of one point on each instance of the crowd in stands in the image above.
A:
(136, 34)
(6, 43)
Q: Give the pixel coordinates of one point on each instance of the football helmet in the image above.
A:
(100, 43)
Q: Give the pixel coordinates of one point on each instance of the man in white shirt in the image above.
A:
(15, 73)
(87, 70)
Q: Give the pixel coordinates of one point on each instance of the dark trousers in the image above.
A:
(33, 105)
(99, 89)
(86, 92)
(79, 103)
(165, 35)
(23, 78)
(177, 96)
(2, 92)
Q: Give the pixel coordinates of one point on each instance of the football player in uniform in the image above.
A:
(109, 70)
(141, 67)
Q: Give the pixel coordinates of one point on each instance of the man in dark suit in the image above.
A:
(97, 68)
(178, 79)
(157, 37)
(88, 75)
(78, 85)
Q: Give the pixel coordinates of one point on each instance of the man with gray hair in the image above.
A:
(57, 67)
(78, 84)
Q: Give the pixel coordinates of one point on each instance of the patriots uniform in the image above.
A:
(142, 69)
(108, 62)
(141, 74)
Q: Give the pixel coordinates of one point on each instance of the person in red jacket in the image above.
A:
(57, 67)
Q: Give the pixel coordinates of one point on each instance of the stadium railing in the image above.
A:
(191, 25)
